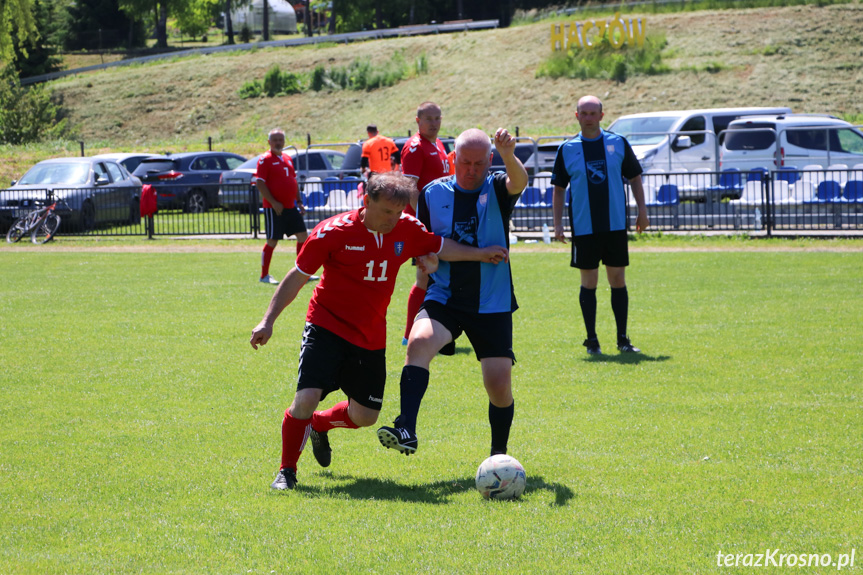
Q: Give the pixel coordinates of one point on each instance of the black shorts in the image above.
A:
(285, 225)
(490, 334)
(612, 248)
(329, 362)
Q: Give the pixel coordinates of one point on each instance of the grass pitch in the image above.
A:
(139, 431)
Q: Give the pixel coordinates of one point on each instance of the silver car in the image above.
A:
(93, 192)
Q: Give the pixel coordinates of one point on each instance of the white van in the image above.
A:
(684, 140)
(804, 140)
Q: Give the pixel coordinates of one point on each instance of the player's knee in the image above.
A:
(363, 417)
(304, 404)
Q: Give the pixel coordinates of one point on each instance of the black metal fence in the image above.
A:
(786, 201)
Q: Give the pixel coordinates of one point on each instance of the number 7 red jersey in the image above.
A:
(360, 269)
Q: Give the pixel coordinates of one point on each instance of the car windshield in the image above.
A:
(160, 165)
(643, 131)
(71, 174)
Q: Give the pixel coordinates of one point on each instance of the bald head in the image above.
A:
(590, 102)
(474, 139)
(589, 115)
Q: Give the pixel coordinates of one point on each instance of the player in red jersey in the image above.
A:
(423, 158)
(344, 339)
(276, 180)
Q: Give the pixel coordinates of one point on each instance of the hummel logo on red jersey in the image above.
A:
(356, 248)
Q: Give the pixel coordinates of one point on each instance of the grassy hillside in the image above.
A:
(807, 57)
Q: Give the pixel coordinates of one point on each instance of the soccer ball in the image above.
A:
(500, 477)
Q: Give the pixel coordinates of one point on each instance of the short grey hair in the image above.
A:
(275, 131)
(391, 185)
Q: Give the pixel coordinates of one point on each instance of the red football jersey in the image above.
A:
(424, 161)
(281, 179)
(360, 269)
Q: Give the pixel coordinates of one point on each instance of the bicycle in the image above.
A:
(41, 224)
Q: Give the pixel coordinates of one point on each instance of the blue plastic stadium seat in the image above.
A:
(530, 198)
(853, 191)
(314, 200)
(828, 191)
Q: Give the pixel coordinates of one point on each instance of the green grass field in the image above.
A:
(139, 431)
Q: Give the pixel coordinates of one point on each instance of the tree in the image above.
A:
(39, 55)
(98, 25)
(229, 22)
(16, 15)
(195, 17)
(265, 26)
(26, 114)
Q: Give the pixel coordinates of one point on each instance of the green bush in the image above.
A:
(27, 114)
(606, 62)
(252, 89)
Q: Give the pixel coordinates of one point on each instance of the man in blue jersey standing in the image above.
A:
(593, 164)
(472, 208)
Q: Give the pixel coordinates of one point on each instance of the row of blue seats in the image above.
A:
(826, 192)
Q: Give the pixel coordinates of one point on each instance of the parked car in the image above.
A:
(682, 139)
(791, 141)
(543, 158)
(93, 191)
(189, 180)
(323, 163)
(129, 161)
(234, 186)
(523, 151)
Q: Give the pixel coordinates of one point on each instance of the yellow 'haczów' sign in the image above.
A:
(589, 34)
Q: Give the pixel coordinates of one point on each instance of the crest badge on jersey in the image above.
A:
(610, 148)
(398, 247)
(483, 199)
(596, 171)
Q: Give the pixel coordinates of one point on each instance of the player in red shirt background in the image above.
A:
(344, 341)
(424, 158)
(276, 180)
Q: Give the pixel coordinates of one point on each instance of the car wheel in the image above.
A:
(135, 212)
(88, 216)
(196, 202)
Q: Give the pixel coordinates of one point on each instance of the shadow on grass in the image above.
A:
(625, 358)
(438, 492)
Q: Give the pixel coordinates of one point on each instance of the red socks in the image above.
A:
(336, 416)
(295, 432)
(266, 256)
(415, 300)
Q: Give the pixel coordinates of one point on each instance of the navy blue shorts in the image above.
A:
(329, 362)
(490, 334)
(289, 223)
(611, 248)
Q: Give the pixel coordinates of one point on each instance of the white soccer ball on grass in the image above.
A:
(500, 477)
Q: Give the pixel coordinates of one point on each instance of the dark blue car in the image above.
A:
(189, 180)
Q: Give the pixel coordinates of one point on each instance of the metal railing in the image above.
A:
(760, 201)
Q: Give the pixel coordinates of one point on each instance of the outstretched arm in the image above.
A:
(452, 251)
(516, 175)
(285, 294)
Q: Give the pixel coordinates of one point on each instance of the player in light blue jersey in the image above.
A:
(472, 208)
(593, 165)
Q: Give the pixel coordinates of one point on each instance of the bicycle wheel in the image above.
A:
(46, 229)
(17, 231)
